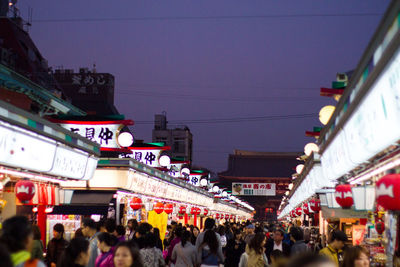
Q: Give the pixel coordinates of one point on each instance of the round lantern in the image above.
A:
(158, 207)
(136, 203)
(193, 210)
(315, 205)
(25, 190)
(344, 196)
(293, 213)
(217, 216)
(205, 212)
(226, 216)
(379, 227)
(168, 208)
(198, 211)
(298, 211)
(232, 216)
(305, 209)
(182, 210)
(388, 192)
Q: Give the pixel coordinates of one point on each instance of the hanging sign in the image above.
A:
(254, 189)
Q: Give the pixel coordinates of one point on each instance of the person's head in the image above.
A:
(101, 226)
(221, 230)
(149, 240)
(276, 255)
(143, 229)
(106, 241)
(278, 236)
(237, 234)
(257, 243)
(88, 227)
(178, 231)
(186, 235)
(356, 256)
(78, 232)
(77, 252)
(126, 255)
(209, 224)
(58, 231)
(296, 233)
(310, 260)
(250, 229)
(133, 224)
(195, 231)
(156, 232)
(36, 232)
(17, 234)
(210, 239)
(120, 230)
(110, 226)
(338, 240)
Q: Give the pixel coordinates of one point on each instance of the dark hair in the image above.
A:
(58, 227)
(5, 256)
(276, 254)
(36, 232)
(195, 227)
(72, 252)
(236, 232)
(221, 230)
(210, 239)
(15, 232)
(87, 222)
(78, 232)
(308, 260)
(144, 228)
(255, 243)
(149, 240)
(156, 232)
(186, 235)
(134, 222)
(297, 233)
(353, 253)
(110, 225)
(135, 254)
(339, 236)
(120, 230)
(174, 223)
(209, 223)
(280, 231)
(178, 231)
(107, 238)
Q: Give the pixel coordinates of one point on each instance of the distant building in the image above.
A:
(88, 90)
(261, 167)
(179, 139)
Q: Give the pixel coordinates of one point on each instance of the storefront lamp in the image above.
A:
(215, 188)
(203, 182)
(325, 114)
(290, 186)
(224, 194)
(164, 160)
(185, 171)
(363, 197)
(310, 147)
(125, 139)
(299, 168)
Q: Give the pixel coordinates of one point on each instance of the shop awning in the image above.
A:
(80, 210)
(91, 197)
(342, 213)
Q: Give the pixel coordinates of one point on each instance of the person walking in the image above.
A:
(299, 246)
(209, 253)
(56, 245)
(334, 249)
(177, 238)
(132, 226)
(89, 230)
(127, 255)
(37, 246)
(105, 244)
(150, 254)
(255, 251)
(17, 236)
(184, 253)
(276, 242)
(249, 233)
(209, 225)
(234, 249)
(356, 256)
(195, 233)
(76, 253)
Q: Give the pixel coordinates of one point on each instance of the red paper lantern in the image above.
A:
(205, 212)
(232, 216)
(168, 208)
(217, 216)
(25, 190)
(379, 227)
(136, 203)
(158, 207)
(182, 210)
(305, 209)
(298, 211)
(315, 205)
(388, 192)
(193, 210)
(198, 211)
(344, 196)
(292, 213)
(226, 216)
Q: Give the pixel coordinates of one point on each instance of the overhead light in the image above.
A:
(325, 114)
(125, 139)
(310, 148)
(224, 193)
(203, 182)
(287, 193)
(299, 168)
(185, 171)
(215, 188)
(165, 161)
(290, 186)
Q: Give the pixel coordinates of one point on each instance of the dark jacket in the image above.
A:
(269, 247)
(298, 247)
(54, 250)
(233, 252)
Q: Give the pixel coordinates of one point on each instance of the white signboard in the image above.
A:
(194, 179)
(146, 156)
(254, 189)
(175, 169)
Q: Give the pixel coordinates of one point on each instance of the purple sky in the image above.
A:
(213, 68)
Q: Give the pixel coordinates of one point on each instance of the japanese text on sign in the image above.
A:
(254, 189)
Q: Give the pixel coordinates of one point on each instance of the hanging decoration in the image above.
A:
(25, 190)
(306, 209)
(388, 192)
(315, 205)
(298, 211)
(136, 203)
(158, 207)
(168, 208)
(182, 210)
(217, 216)
(380, 227)
(205, 212)
(344, 196)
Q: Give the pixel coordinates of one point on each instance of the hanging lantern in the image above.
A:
(217, 216)
(136, 203)
(193, 210)
(305, 209)
(315, 205)
(168, 208)
(158, 207)
(388, 192)
(205, 212)
(25, 190)
(232, 216)
(344, 196)
(198, 211)
(226, 216)
(298, 211)
(292, 213)
(182, 210)
(380, 227)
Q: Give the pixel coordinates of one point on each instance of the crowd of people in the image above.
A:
(104, 244)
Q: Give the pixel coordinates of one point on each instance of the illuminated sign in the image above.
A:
(254, 189)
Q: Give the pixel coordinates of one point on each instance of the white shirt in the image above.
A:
(279, 247)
